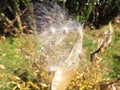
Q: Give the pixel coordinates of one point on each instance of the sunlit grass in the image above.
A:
(17, 56)
(108, 69)
(13, 56)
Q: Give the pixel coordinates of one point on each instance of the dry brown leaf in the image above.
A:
(13, 78)
(33, 85)
(15, 88)
(4, 54)
(1, 75)
(2, 66)
(44, 84)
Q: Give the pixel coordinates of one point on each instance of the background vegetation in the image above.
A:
(18, 70)
(94, 13)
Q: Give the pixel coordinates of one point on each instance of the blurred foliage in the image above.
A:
(80, 8)
(11, 13)
(94, 13)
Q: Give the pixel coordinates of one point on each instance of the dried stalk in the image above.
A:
(9, 22)
(103, 42)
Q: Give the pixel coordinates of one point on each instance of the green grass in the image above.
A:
(113, 56)
(16, 56)
(14, 59)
